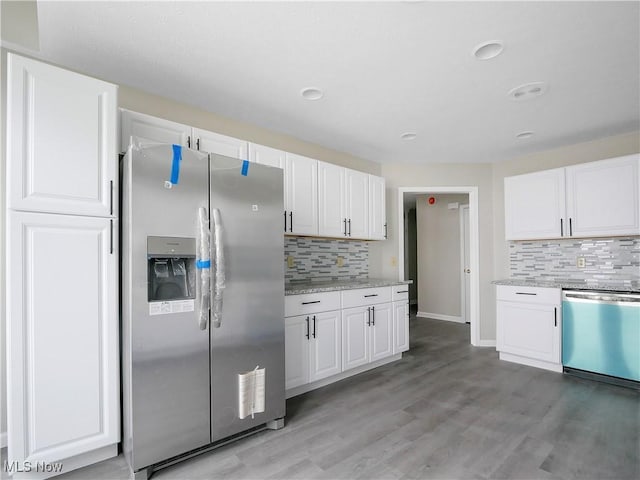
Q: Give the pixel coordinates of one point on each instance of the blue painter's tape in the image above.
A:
(245, 168)
(203, 263)
(175, 165)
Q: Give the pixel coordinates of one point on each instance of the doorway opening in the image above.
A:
(456, 287)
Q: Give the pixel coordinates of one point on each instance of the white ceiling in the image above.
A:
(385, 68)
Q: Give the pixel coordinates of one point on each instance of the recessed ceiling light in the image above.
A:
(408, 136)
(528, 91)
(523, 135)
(488, 50)
(312, 93)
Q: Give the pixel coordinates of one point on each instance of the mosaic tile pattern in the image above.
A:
(608, 260)
(316, 259)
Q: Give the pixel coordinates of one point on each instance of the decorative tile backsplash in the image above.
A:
(608, 260)
(316, 259)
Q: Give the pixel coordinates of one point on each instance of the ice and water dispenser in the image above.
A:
(171, 265)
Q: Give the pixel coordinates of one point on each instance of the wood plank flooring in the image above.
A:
(447, 410)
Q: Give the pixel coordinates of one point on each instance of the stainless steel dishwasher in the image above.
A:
(601, 335)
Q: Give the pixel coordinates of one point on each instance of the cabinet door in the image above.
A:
(150, 129)
(332, 216)
(603, 197)
(301, 194)
(381, 331)
(355, 337)
(211, 142)
(530, 330)
(296, 349)
(377, 212)
(400, 326)
(534, 205)
(62, 330)
(325, 355)
(357, 192)
(61, 140)
(267, 156)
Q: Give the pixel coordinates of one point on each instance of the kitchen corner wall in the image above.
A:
(316, 259)
(610, 260)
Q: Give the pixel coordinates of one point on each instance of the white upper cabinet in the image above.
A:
(267, 156)
(377, 212)
(357, 195)
(595, 199)
(301, 195)
(211, 142)
(332, 215)
(603, 197)
(150, 129)
(61, 140)
(534, 205)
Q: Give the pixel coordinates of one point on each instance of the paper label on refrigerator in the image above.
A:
(251, 392)
(175, 306)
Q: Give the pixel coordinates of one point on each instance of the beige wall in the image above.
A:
(383, 256)
(438, 227)
(3, 330)
(580, 153)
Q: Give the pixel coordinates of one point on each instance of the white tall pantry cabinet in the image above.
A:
(62, 270)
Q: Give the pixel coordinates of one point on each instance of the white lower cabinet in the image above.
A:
(62, 332)
(529, 326)
(360, 329)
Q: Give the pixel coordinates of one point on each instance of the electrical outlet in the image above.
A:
(290, 262)
(340, 261)
(581, 262)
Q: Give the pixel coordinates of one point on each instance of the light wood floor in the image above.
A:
(446, 410)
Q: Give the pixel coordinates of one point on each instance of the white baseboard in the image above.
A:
(486, 343)
(3, 439)
(554, 367)
(440, 316)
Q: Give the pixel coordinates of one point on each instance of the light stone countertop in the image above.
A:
(632, 286)
(298, 288)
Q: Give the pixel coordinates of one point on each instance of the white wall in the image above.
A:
(439, 290)
(580, 153)
(383, 256)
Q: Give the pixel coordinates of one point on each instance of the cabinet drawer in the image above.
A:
(400, 292)
(365, 296)
(540, 295)
(311, 303)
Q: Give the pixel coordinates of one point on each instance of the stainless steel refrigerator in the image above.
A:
(203, 302)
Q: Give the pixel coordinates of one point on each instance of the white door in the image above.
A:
(534, 205)
(267, 156)
(296, 348)
(465, 263)
(150, 129)
(212, 142)
(357, 192)
(61, 140)
(381, 331)
(603, 198)
(301, 194)
(400, 326)
(62, 329)
(332, 216)
(355, 337)
(325, 356)
(377, 212)
(528, 329)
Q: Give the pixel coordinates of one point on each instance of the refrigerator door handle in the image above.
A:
(203, 267)
(218, 270)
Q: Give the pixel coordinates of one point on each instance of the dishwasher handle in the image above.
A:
(613, 298)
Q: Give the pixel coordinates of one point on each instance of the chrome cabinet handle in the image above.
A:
(307, 320)
(290, 221)
(555, 316)
(345, 227)
(285, 220)
(373, 316)
(561, 228)
(349, 227)
(385, 231)
(314, 326)
(570, 228)
(111, 197)
(368, 316)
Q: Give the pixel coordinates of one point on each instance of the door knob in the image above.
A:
(467, 270)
